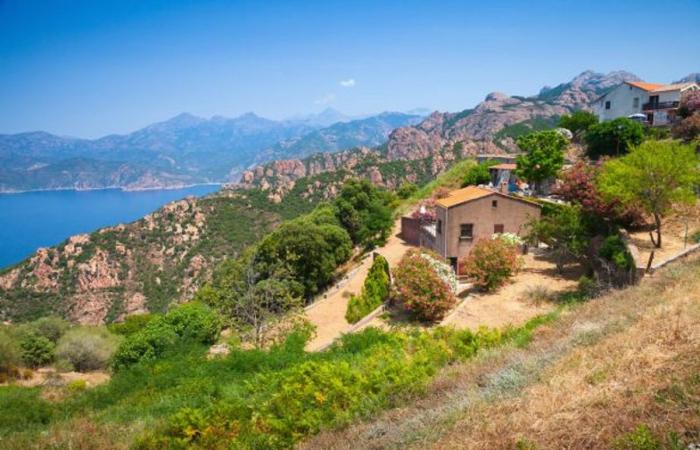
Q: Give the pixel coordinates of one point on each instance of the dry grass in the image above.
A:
(602, 369)
(78, 434)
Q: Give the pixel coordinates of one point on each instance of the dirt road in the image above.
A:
(328, 314)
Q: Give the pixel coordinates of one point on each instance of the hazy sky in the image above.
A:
(89, 68)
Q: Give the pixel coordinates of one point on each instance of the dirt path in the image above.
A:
(328, 314)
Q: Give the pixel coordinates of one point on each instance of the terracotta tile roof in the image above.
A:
(464, 195)
(673, 87)
(505, 166)
(644, 86)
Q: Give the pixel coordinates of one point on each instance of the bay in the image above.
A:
(31, 220)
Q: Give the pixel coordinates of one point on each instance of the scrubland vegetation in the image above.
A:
(167, 391)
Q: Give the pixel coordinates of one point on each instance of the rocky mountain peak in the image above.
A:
(496, 96)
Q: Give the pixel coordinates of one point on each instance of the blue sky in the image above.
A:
(90, 68)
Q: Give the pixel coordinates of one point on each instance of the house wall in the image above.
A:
(621, 102)
(512, 213)
(662, 117)
(410, 230)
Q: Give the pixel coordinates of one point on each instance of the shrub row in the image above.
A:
(375, 291)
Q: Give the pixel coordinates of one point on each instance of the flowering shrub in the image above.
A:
(509, 238)
(444, 271)
(420, 288)
(426, 212)
(491, 263)
(688, 128)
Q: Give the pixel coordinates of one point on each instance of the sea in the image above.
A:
(30, 220)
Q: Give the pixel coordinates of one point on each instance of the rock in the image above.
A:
(218, 351)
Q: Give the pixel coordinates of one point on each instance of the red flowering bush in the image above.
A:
(420, 290)
(688, 128)
(426, 212)
(491, 263)
(690, 103)
(577, 185)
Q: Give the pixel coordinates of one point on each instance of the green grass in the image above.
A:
(273, 398)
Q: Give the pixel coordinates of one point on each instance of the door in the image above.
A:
(654, 101)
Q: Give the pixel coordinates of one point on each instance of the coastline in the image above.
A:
(108, 188)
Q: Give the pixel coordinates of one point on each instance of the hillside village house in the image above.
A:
(658, 103)
(472, 213)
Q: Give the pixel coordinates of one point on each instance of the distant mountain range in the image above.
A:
(181, 151)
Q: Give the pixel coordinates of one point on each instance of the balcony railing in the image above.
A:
(659, 105)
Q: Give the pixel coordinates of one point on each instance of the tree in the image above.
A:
(406, 190)
(563, 230)
(478, 174)
(543, 158)
(253, 296)
(577, 185)
(578, 122)
(654, 175)
(310, 253)
(365, 212)
(613, 138)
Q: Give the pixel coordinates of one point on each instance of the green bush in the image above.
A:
(614, 250)
(145, 345)
(10, 352)
(375, 291)
(131, 324)
(37, 351)
(195, 321)
(478, 174)
(406, 190)
(587, 287)
(86, 348)
(641, 438)
(50, 327)
(613, 137)
(191, 322)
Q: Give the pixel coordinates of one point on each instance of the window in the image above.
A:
(466, 231)
(607, 105)
(498, 228)
(494, 203)
(635, 102)
(439, 226)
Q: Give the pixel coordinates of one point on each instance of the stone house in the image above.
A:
(655, 103)
(473, 213)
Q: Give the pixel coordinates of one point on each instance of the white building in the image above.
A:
(658, 102)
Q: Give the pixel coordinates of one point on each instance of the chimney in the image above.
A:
(503, 189)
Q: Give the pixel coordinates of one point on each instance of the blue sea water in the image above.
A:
(31, 220)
